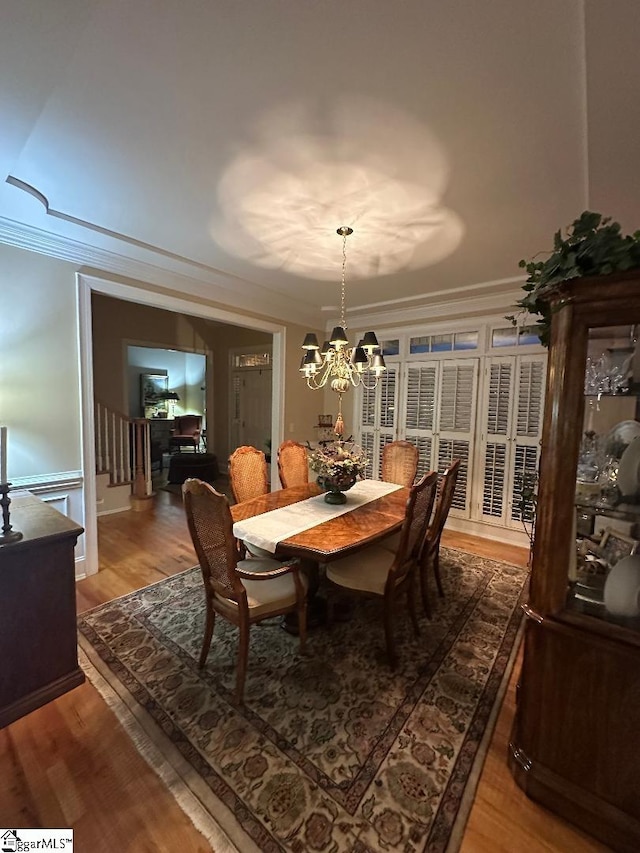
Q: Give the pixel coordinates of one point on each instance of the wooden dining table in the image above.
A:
(330, 540)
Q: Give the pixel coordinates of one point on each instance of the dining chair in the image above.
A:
(249, 478)
(248, 473)
(377, 572)
(430, 554)
(293, 464)
(242, 591)
(399, 463)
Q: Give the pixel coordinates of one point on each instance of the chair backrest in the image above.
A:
(211, 529)
(188, 425)
(416, 520)
(399, 463)
(248, 474)
(443, 504)
(293, 464)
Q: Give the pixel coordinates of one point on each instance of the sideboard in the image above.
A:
(160, 431)
(38, 645)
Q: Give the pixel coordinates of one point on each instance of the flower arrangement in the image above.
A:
(338, 460)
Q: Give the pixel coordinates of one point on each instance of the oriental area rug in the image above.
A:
(332, 751)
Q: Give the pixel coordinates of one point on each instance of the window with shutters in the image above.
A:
(513, 408)
(377, 418)
(432, 400)
(439, 418)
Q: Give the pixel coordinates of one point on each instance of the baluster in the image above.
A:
(99, 459)
(127, 451)
(107, 459)
(121, 467)
(114, 458)
(147, 458)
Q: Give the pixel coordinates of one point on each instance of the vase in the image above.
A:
(335, 487)
(622, 587)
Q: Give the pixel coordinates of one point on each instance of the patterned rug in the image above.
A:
(332, 751)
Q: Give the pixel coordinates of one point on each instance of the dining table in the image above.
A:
(328, 536)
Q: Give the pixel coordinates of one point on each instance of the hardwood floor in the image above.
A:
(70, 764)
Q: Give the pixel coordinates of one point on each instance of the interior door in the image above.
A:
(251, 408)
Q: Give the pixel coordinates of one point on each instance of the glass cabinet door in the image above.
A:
(604, 582)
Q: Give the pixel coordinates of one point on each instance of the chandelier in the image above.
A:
(336, 362)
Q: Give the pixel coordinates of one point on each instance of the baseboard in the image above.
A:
(113, 511)
(80, 569)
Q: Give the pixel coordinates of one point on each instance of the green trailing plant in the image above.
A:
(593, 245)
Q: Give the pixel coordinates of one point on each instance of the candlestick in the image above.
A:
(7, 535)
(3, 454)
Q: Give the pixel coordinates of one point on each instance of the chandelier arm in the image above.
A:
(370, 387)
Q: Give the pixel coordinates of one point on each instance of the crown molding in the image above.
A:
(239, 295)
(481, 305)
(184, 278)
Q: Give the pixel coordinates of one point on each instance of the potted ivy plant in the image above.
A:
(592, 245)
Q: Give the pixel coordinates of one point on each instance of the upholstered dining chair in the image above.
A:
(399, 463)
(242, 591)
(186, 433)
(293, 464)
(430, 555)
(377, 572)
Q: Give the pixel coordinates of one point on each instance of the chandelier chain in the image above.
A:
(342, 292)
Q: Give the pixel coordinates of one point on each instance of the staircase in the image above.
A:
(123, 461)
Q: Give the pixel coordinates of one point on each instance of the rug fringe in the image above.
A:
(197, 813)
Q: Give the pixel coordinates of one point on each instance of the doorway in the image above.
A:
(88, 285)
(251, 394)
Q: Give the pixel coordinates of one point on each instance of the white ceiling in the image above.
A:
(226, 141)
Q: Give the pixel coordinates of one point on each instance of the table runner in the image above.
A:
(266, 530)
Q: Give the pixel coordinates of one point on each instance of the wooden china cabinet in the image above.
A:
(575, 744)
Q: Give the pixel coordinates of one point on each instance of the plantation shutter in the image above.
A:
(530, 385)
(497, 424)
(455, 425)
(421, 389)
(378, 411)
(512, 424)
(439, 418)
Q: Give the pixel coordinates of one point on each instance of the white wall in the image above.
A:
(39, 371)
(40, 381)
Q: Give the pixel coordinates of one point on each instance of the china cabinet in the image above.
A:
(575, 744)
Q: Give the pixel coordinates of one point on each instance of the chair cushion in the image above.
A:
(367, 570)
(391, 543)
(268, 595)
(259, 564)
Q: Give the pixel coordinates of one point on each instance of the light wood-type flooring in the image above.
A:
(70, 764)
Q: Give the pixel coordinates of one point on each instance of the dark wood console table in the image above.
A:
(38, 645)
